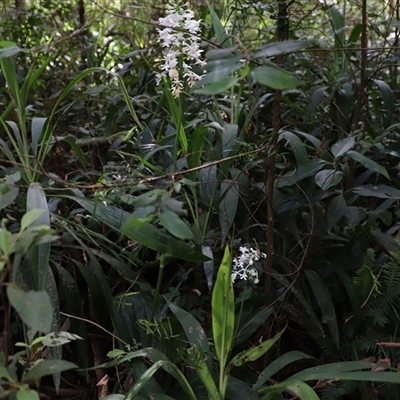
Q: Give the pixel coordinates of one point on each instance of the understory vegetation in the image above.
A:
(199, 200)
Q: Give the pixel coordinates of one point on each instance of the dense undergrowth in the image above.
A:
(199, 201)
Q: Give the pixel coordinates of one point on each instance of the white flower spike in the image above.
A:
(242, 267)
(179, 39)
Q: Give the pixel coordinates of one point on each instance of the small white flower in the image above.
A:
(242, 267)
(179, 38)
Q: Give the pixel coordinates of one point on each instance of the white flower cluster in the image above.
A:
(181, 43)
(242, 267)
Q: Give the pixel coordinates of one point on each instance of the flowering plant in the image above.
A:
(179, 37)
(243, 265)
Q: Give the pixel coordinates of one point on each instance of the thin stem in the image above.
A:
(158, 287)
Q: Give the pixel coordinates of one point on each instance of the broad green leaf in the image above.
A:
(297, 146)
(388, 242)
(39, 255)
(388, 101)
(5, 248)
(338, 26)
(48, 367)
(325, 304)
(368, 163)
(147, 235)
(304, 171)
(228, 207)
(336, 210)
(197, 358)
(9, 52)
(278, 364)
(175, 225)
(301, 389)
(148, 374)
(36, 131)
(220, 33)
(34, 308)
(30, 217)
(208, 183)
(220, 86)
(9, 190)
(223, 310)
(287, 46)
(252, 323)
(5, 374)
(342, 146)
(24, 393)
(219, 69)
(381, 191)
(195, 150)
(192, 328)
(275, 78)
(254, 353)
(208, 266)
(219, 54)
(328, 178)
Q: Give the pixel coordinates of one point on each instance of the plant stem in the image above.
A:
(158, 287)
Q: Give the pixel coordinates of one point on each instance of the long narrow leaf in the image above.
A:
(223, 316)
(147, 235)
(39, 255)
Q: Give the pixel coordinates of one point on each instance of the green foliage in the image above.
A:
(288, 141)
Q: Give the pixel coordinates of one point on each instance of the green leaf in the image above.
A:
(275, 78)
(219, 30)
(301, 389)
(219, 69)
(147, 235)
(208, 266)
(220, 86)
(328, 178)
(336, 210)
(193, 330)
(223, 310)
(5, 247)
(197, 358)
(36, 131)
(325, 303)
(8, 190)
(24, 393)
(39, 255)
(342, 146)
(381, 191)
(278, 364)
(388, 101)
(34, 308)
(304, 171)
(368, 163)
(147, 375)
(297, 146)
(30, 217)
(174, 225)
(287, 46)
(348, 370)
(228, 207)
(5, 374)
(254, 353)
(48, 367)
